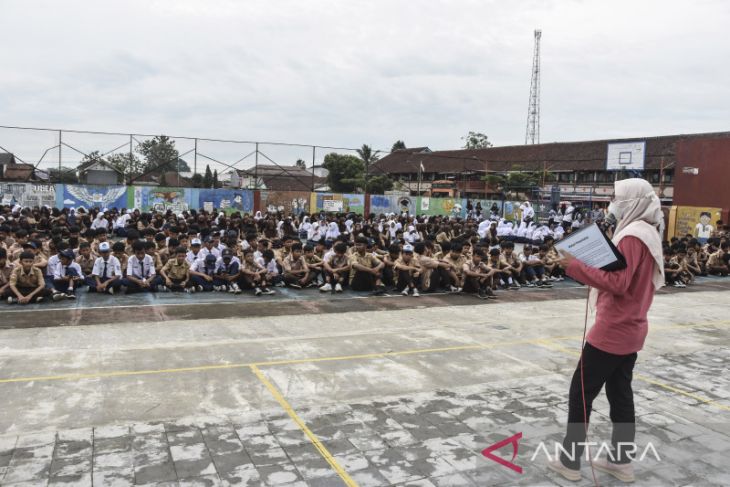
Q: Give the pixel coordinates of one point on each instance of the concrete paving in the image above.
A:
(376, 391)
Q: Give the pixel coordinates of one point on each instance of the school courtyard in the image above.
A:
(307, 389)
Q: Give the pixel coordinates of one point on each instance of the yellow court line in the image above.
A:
(204, 368)
(705, 400)
(312, 437)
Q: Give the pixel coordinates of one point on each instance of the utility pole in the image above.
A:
(532, 133)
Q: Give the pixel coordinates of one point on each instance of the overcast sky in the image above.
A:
(345, 72)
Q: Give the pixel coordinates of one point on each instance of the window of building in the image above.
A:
(565, 177)
(605, 177)
(585, 176)
(652, 177)
(668, 175)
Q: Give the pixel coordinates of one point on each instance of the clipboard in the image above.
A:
(592, 247)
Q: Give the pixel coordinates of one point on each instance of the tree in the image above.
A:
(182, 166)
(63, 175)
(344, 172)
(398, 145)
(128, 164)
(378, 184)
(367, 155)
(476, 140)
(160, 154)
(196, 180)
(301, 164)
(208, 178)
(215, 178)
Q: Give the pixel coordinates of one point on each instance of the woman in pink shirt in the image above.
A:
(622, 299)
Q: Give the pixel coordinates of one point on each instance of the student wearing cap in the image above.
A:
(26, 284)
(67, 276)
(228, 269)
(203, 274)
(365, 269)
(195, 251)
(141, 275)
(407, 272)
(106, 276)
(176, 272)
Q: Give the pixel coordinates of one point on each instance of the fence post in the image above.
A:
(60, 143)
(195, 158)
(131, 155)
(314, 154)
(256, 168)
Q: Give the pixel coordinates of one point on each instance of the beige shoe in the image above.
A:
(622, 471)
(567, 473)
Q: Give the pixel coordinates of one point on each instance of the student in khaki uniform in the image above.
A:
(455, 260)
(389, 260)
(253, 274)
(315, 264)
(337, 269)
(6, 268)
(478, 276)
(407, 272)
(717, 263)
(296, 270)
(176, 272)
(26, 283)
(14, 251)
(365, 269)
(121, 255)
(85, 259)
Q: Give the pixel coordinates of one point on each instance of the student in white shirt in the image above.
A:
(141, 275)
(106, 276)
(67, 276)
(195, 251)
(203, 274)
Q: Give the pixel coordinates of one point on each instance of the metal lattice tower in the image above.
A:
(532, 134)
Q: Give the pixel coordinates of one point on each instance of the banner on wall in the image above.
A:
(294, 202)
(695, 220)
(161, 199)
(226, 200)
(332, 205)
(384, 204)
(28, 194)
(75, 195)
(441, 206)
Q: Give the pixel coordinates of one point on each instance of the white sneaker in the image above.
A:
(200, 288)
(12, 300)
(190, 290)
(257, 291)
(567, 473)
(404, 292)
(415, 293)
(58, 297)
(110, 291)
(231, 290)
(326, 288)
(622, 471)
(236, 289)
(453, 289)
(338, 288)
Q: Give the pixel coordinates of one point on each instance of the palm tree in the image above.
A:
(367, 155)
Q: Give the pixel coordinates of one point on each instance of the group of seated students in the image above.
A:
(686, 258)
(53, 253)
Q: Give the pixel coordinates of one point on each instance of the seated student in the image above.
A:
(296, 271)
(365, 269)
(337, 268)
(717, 263)
(671, 269)
(121, 255)
(141, 275)
(501, 277)
(455, 260)
(176, 273)
(268, 261)
(165, 253)
(55, 247)
(67, 276)
(106, 276)
(100, 237)
(85, 260)
(533, 269)
(407, 272)
(131, 236)
(195, 251)
(680, 257)
(282, 253)
(512, 264)
(389, 260)
(253, 274)
(478, 276)
(692, 260)
(203, 274)
(556, 273)
(430, 276)
(6, 268)
(315, 264)
(26, 283)
(228, 270)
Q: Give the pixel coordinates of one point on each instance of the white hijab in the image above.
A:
(332, 231)
(640, 215)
